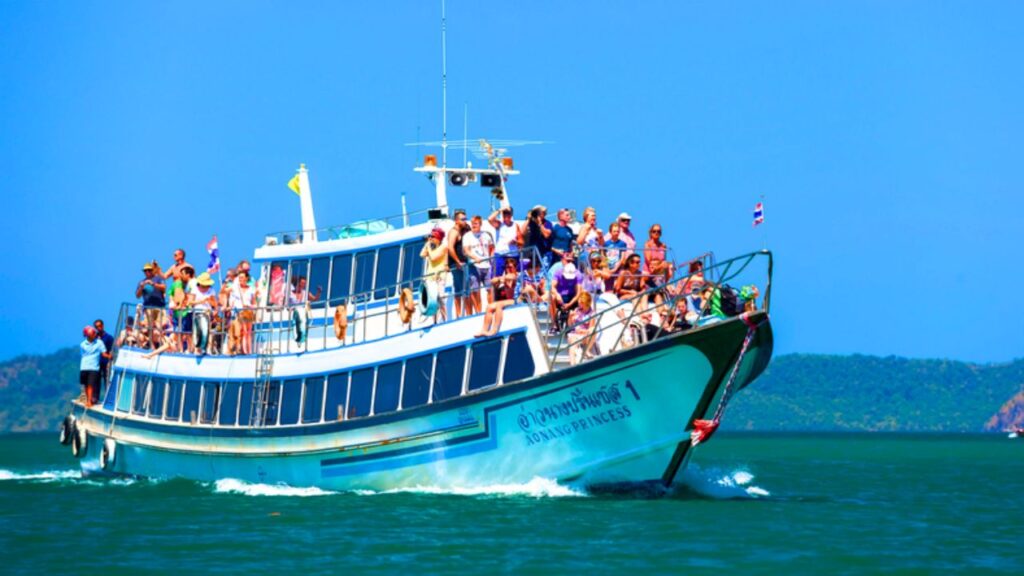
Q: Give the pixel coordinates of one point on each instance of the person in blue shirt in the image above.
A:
(151, 290)
(562, 235)
(615, 248)
(93, 351)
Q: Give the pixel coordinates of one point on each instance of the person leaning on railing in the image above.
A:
(298, 300)
(436, 253)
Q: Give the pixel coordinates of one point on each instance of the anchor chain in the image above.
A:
(703, 429)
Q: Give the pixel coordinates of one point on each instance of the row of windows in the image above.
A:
(430, 377)
(342, 275)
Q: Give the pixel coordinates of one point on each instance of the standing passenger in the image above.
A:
(506, 236)
(179, 263)
(627, 235)
(108, 343)
(436, 254)
(93, 351)
(204, 305)
(151, 290)
(478, 246)
(562, 235)
(457, 263)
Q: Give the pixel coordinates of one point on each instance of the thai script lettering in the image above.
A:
(582, 411)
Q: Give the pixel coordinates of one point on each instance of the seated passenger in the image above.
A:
(504, 288)
(630, 281)
(582, 337)
(600, 278)
(654, 253)
(565, 292)
(749, 295)
(534, 285)
(167, 339)
(128, 336)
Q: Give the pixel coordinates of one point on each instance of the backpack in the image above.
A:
(729, 300)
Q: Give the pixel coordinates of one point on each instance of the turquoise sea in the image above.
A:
(750, 504)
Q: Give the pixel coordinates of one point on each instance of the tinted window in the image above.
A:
(290, 401)
(124, 397)
(518, 360)
(387, 271)
(483, 364)
(313, 401)
(389, 380)
(318, 274)
(362, 391)
(364, 273)
(448, 372)
(245, 404)
(115, 379)
(156, 397)
(278, 281)
(191, 405)
(211, 393)
(417, 380)
(141, 390)
(341, 278)
(337, 390)
(175, 389)
(412, 264)
(299, 269)
(229, 403)
(271, 399)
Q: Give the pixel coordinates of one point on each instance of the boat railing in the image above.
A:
(367, 316)
(356, 229)
(655, 311)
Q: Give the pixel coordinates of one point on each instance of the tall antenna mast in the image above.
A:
(465, 134)
(444, 90)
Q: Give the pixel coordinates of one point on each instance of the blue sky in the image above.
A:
(885, 137)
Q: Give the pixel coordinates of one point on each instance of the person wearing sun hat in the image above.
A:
(92, 350)
(151, 290)
(204, 303)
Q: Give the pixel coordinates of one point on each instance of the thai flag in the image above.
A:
(214, 251)
(758, 214)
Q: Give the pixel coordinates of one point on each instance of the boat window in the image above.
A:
(298, 269)
(412, 264)
(518, 359)
(483, 365)
(190, 412)
(229, 404)
(273, 396)
(451, 365)
(313, 401)
(362, 391)
(211, 393)
(337, 390)
(341, 278)
(389, 380)
(245, 404)
(124, 396)
(290, 398)
(364, 272)
(141, 390)
(319, 271)
(387, 272)
(156, 397)
(277, 283)
(109, 398)
(175, 388)
(417, 380)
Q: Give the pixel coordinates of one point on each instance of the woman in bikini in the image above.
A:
(504, 288)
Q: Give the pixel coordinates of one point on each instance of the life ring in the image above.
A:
(67, 429)
(108, 454)
(79, 442)
(406, 306)
(428, 304)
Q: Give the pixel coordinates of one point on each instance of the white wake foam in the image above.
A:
(715, 484)
(46, 476)
(234, 486)
(536, 488)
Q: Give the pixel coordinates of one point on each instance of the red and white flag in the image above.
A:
(758, 214)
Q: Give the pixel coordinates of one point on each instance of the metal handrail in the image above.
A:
(275, 323)
(403, 220)
(722, 270)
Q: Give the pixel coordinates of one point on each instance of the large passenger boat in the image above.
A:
(401, 400)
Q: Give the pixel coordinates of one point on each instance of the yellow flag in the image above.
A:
(294, 185)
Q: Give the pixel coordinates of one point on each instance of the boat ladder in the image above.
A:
(266, 345)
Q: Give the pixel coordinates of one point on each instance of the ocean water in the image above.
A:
(749, 504)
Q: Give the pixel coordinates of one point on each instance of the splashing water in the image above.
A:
(233, 486)
(46, 476)
(720, 486)
(536, 488)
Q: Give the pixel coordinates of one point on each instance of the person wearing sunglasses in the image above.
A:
(654, 253)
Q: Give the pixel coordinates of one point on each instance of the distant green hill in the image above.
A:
(871, 393)
(796, 392)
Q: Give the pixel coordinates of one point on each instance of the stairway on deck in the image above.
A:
(544, 320)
